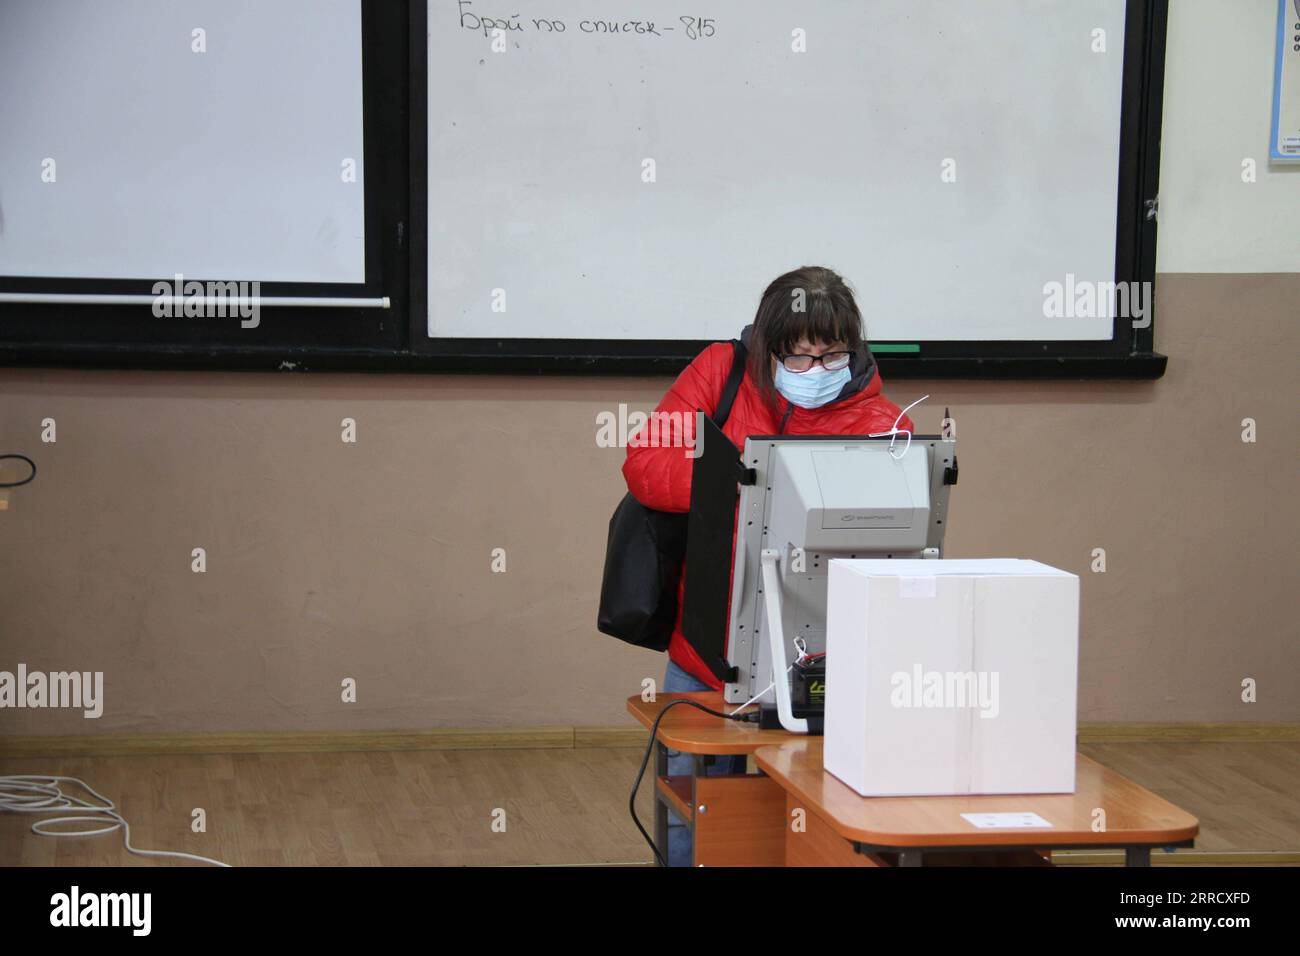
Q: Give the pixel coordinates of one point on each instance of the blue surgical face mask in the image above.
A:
(813, 388)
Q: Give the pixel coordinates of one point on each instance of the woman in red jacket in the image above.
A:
(809, 372)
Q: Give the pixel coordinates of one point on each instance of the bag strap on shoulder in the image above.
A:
(738, 356)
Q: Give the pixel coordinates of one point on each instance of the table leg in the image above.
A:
(661, 807)
(699, 770)
(1137, 856)
(909, 857)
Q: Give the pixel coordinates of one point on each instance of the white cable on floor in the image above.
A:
(29, 793)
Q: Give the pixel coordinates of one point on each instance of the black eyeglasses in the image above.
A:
(831, 361)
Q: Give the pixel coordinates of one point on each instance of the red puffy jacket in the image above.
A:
(660, 477)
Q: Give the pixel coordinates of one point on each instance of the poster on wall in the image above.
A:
(1285, 141)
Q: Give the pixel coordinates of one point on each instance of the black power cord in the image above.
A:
(30, 464)
(649, 749)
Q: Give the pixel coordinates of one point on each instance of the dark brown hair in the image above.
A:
(811, 302)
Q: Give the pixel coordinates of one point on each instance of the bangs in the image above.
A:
(826, 318)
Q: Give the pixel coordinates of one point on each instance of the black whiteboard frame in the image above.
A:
(394, 64)
(1128, 354)
(287, 337)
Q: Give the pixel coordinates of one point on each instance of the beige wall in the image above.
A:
(1224, 206)
(372, 560)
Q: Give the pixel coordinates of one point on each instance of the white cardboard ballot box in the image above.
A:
(950, 677)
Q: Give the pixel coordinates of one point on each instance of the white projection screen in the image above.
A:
(126, 152)
(766, 158)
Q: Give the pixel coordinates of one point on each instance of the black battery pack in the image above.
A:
(807, 696)
(808, 685)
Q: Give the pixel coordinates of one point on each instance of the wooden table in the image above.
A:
(735, 820)
(843, 824)
(753, 819)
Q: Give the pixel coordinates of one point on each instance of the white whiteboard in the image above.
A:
(767, 159)
(224, 164)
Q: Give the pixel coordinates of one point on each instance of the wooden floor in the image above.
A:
(561, 806)
(1246, 795)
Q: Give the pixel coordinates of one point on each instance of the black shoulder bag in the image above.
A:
(645, 553)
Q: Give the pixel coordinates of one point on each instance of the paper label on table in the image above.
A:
(924, 587)
(1004, 821)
